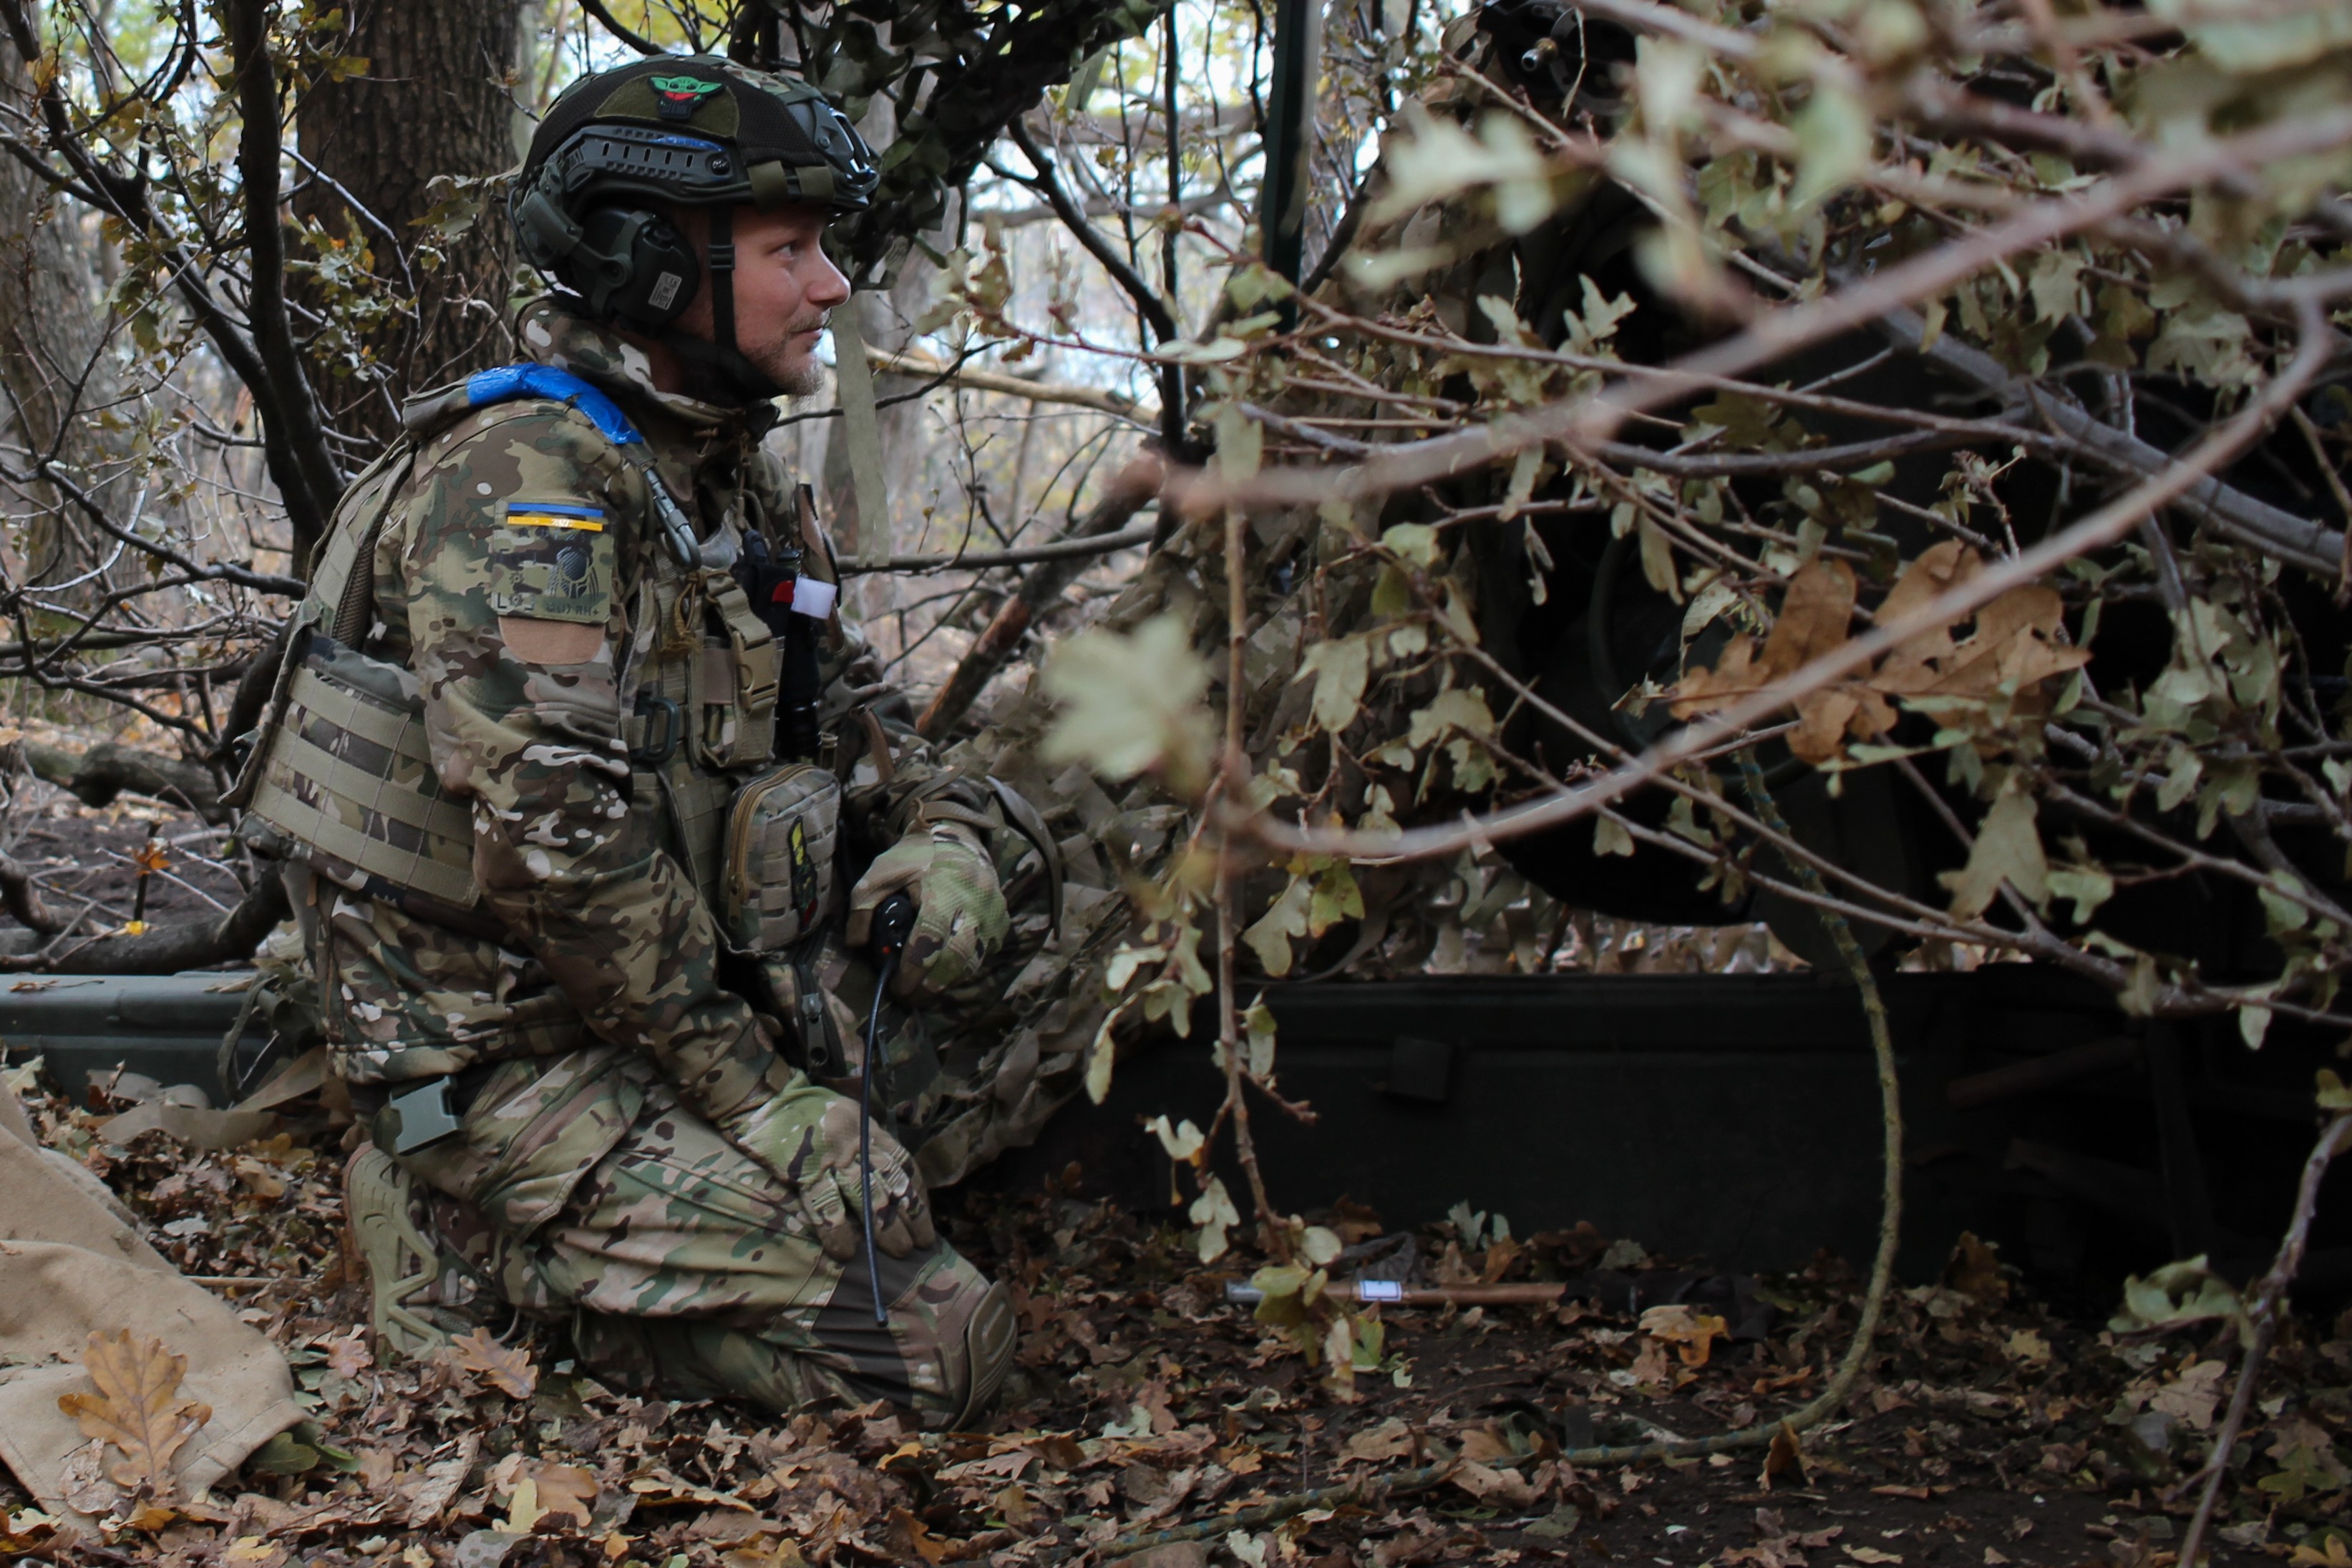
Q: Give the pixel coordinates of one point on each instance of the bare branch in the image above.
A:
(1082, 547)
(1583, 420)
(2101, 528)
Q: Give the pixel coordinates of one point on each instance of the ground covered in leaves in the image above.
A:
(1988, 1432)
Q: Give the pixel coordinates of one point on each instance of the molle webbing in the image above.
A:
(344, 768)
(346, 771)
(673, 696)
(350, 774)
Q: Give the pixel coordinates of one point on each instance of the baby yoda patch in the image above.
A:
(681, 95)
(551, 561)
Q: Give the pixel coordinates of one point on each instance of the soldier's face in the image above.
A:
(784, 287)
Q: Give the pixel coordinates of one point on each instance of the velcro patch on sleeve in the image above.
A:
(554, 515)
(551, 561)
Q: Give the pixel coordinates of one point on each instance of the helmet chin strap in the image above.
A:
(721, 363)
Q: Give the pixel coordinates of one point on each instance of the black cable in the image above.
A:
(866, 1132)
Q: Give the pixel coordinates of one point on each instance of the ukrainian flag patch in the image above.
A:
(553, 515)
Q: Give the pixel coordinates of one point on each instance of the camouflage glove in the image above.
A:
(960, 913)
(808, 1136)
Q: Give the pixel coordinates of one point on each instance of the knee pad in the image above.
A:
(988, 1335)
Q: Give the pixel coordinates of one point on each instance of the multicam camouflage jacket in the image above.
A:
(587, 707)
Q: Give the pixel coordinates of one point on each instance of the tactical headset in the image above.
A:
(686, 131)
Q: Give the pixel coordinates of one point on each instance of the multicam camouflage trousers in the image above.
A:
(687, 1269)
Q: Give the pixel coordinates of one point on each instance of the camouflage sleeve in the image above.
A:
(516, 546)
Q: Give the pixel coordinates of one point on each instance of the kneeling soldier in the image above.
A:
(564, 832)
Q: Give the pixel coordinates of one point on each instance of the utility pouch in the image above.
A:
(735, 682)
(778, 883)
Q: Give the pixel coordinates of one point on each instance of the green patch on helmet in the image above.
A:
(681, 95)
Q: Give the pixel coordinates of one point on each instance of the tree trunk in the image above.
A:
(54, 362)
(432, 100)
(886, 322)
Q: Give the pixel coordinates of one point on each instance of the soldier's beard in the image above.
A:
(788, 359)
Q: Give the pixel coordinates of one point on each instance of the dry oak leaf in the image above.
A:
(1691, 1334)
(350, 1356)
(1488, 1484)
(563, 1488)
(137, 1407)
(1500, 1255)
(1974, 1270)
(2014, 647)
(1489, 1442)
(927, 1547)
(508, 1368)
(769, 1553)
(1784, 1460)
(2008, 849)
(1814, 615)
(437, 1488)
(1391, 1439)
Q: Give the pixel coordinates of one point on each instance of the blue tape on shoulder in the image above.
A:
(511, 381)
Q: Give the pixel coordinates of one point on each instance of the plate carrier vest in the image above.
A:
(341, 777)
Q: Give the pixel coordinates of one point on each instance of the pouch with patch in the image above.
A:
(784, 829)
(553, 562)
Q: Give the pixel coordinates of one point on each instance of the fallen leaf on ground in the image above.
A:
(349, 1357)
(1693, 1333)
(1975, 1271)
(523, 1511)
(509, 1369)
(1489, 1485)
(1390, 1440)
(1783, 1459)
(2193, 1396)
(1487, 1442)
(437, 1488)
(657, 1487)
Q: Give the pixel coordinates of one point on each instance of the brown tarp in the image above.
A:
(72, 1264)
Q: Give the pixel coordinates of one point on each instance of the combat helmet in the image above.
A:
(619, 147)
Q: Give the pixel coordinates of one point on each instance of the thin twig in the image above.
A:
(1890, 1214)
(1275, 1236)
(1367, 1491)
(980, 560)
(2262, 1314)
(2102, 528)
(1581, 421)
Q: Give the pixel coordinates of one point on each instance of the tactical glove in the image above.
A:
(960, 913)
(808, 1136)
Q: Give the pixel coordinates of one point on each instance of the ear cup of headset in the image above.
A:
(634, 266)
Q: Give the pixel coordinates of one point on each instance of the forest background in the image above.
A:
(1917, 422)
